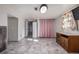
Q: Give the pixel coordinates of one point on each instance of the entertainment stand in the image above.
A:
(69, 41)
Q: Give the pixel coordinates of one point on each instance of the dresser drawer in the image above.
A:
(66, 43)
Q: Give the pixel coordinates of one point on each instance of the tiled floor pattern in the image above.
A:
(34, 46)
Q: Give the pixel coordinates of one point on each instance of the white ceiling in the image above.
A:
(27, 10)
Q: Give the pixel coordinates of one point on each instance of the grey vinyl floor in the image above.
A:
(34, 46)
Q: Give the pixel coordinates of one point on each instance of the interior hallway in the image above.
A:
(35, 46)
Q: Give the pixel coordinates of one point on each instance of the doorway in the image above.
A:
(12, 29)
(30, 29)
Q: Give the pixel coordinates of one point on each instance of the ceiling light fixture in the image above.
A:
(43, 8)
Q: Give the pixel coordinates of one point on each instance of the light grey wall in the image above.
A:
(3, 19)
(38, 27)
(54, 27)
(18, 11)
(21, 28)
(58, 24)
(4, 22)
(5, 10)
(35, 30)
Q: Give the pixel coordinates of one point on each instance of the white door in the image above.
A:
(35, 29)
(12, 29)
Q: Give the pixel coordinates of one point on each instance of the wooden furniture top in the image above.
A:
(72, 33)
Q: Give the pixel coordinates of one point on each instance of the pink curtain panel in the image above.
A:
(46, 28)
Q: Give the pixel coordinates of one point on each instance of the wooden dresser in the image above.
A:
(70, 42)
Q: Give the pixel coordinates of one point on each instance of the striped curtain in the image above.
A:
(46, 28)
